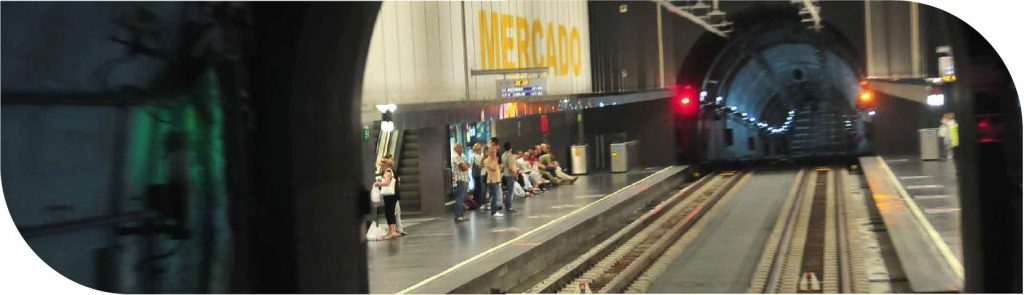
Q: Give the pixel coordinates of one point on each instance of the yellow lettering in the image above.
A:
(575, 51)
(538, 29)
(488, 41)
(506, 42)
(523, 39)
(552, 59)
(563, 62)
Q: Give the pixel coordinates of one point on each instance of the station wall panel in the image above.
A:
(424, 52)
(648, 122)
(891, 27)
(625, 45)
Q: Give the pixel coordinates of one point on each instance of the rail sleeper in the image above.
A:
(794, 255)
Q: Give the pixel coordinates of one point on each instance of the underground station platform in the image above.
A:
(869, 225)
(440, 256)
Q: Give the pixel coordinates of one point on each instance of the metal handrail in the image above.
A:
(80, 224)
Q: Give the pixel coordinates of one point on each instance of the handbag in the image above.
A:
(390, 189)
(375, 232)
(375, 198)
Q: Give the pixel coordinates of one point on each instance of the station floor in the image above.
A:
(933, 186)
(434, 245)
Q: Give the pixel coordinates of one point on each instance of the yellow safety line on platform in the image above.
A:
(954, 263)
(516, 239)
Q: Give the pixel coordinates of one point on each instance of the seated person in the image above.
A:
(531, 179)
(534, 163)
(548, 163)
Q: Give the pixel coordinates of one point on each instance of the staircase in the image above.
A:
(409, 173)
(817, 133)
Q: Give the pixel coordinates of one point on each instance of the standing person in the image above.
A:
(944, 135)
(497, 148)
(398, 196)
(493, 170)
(390, 200)
(461, 169)
(508, 174)
(478, 185)
(954, 136)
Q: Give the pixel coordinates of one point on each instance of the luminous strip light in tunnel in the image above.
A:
(745, 117)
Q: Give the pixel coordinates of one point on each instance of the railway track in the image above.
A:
(616, 264)
(810, 249)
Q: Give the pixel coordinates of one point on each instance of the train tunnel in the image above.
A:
(769, 82)
(231, 147)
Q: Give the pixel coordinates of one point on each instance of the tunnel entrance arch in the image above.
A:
(770, 75)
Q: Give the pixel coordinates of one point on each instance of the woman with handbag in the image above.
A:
(386, 184)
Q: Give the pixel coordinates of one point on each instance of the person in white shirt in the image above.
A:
(532, 179)
(461, 170)
(479, 189)
(524, 174)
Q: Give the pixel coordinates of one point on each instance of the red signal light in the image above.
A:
(684, 99)
(990, 128)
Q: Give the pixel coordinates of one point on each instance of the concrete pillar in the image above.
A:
(299, 230)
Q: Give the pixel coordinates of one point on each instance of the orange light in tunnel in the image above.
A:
(865, 96)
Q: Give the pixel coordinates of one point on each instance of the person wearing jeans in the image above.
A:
(477, 159)
(461, 170)
(509, 171)
(493, 171)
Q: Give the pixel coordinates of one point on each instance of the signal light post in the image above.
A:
(684, 102)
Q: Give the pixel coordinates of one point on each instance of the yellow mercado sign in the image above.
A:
(521, 47)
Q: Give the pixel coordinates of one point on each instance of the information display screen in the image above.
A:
(511, 88)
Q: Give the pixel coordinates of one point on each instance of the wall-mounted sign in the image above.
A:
(512, 88)
(946, 69)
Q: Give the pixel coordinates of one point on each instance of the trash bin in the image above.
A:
(579, 159)
(624, 156)
(930, 143)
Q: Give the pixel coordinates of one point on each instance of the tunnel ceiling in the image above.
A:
(757, 70)
(755, 83)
